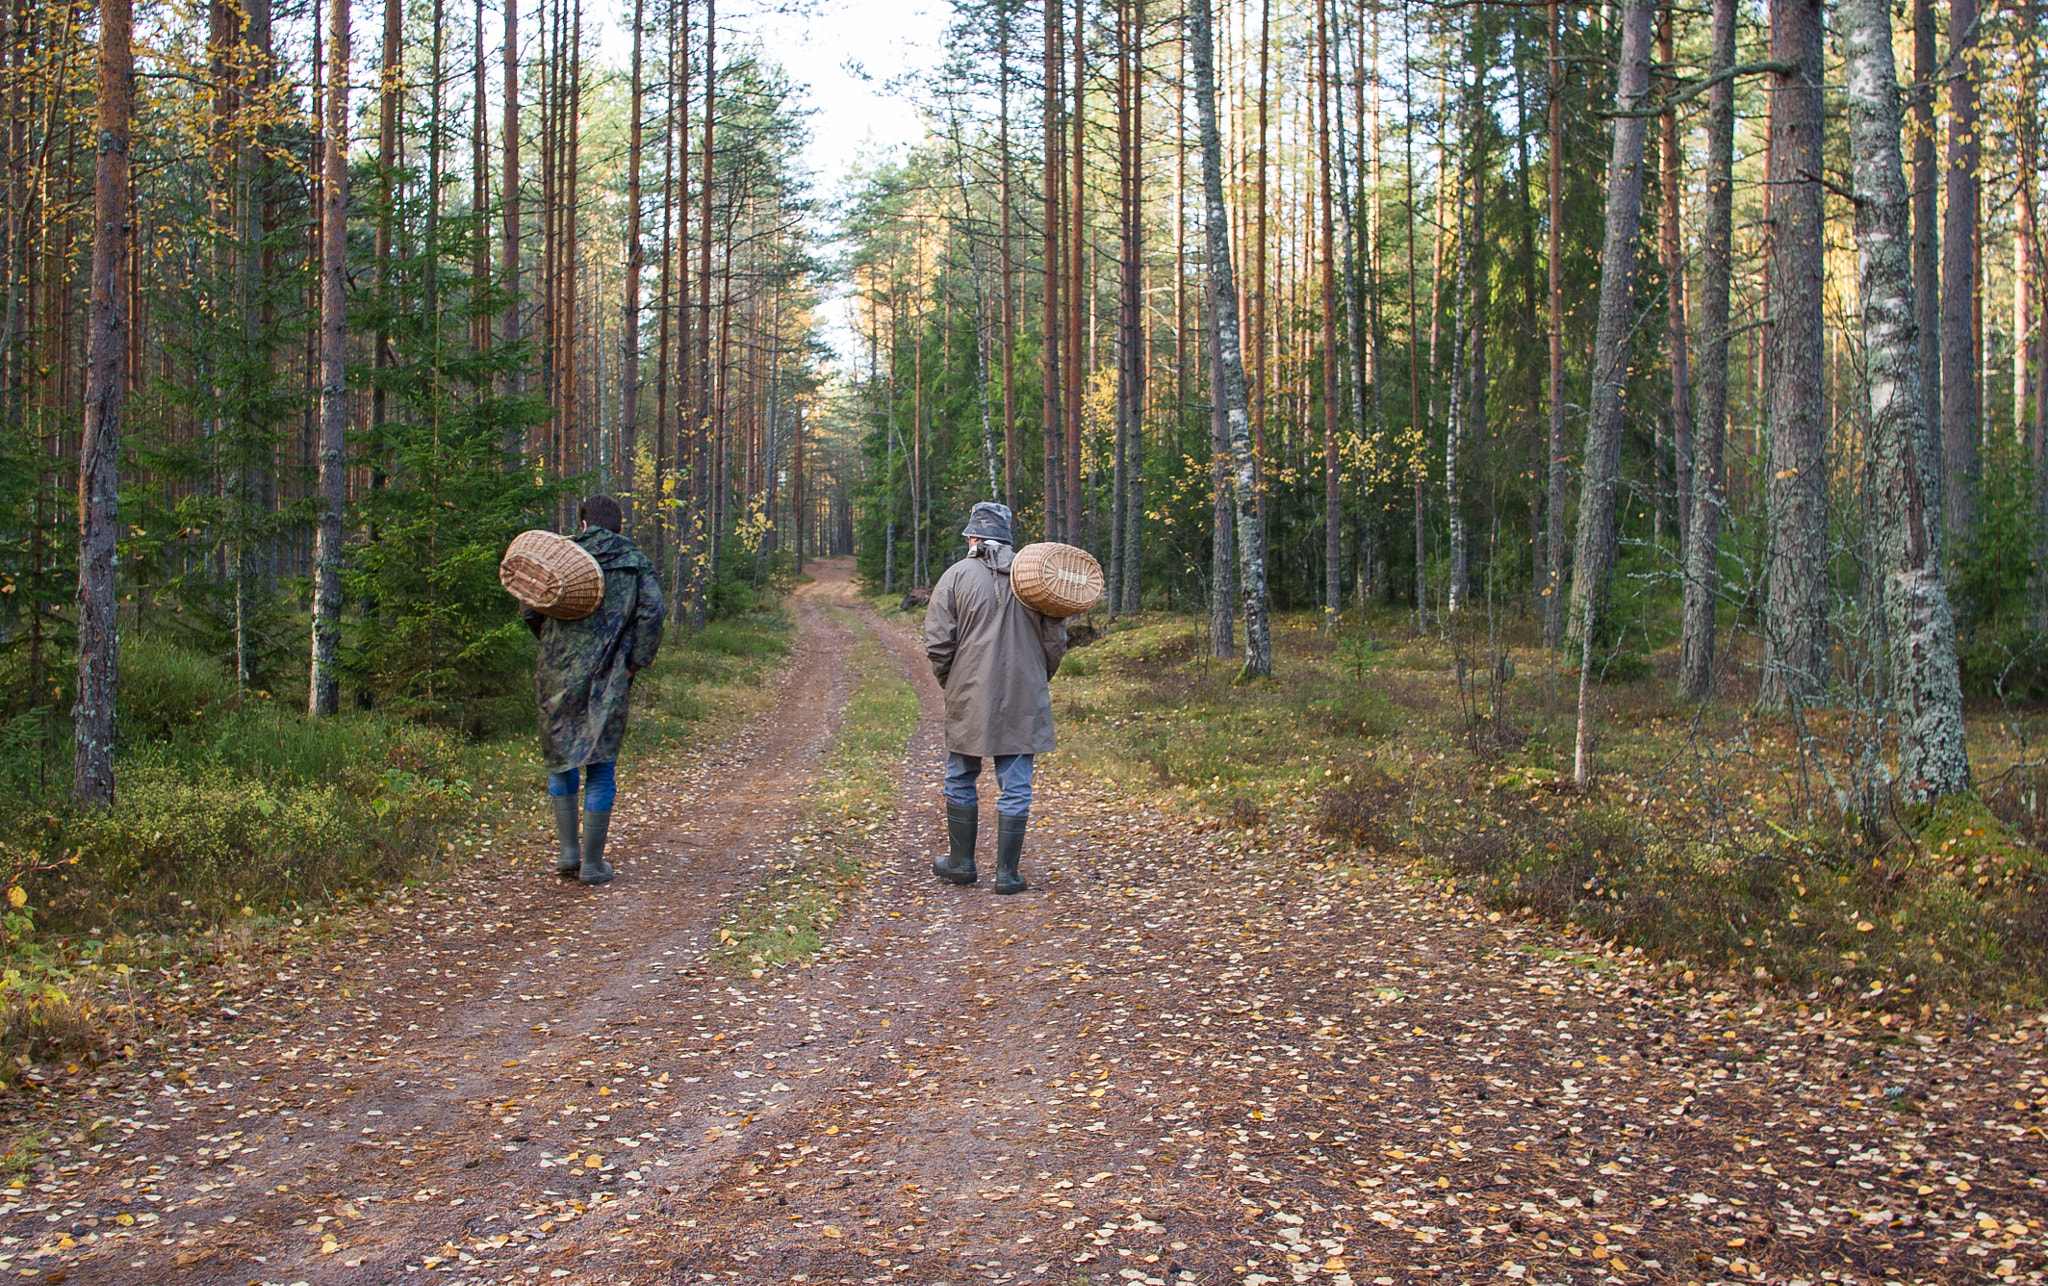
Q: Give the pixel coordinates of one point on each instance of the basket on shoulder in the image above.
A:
(552, 574)
(1058, 580)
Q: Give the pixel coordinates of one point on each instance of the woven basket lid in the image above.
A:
(552, 574)
(1058, 580)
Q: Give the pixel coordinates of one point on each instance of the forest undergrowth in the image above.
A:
(1698, 841)
(239, 824)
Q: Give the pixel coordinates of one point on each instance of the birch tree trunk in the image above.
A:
(1707, 498)
(1593, 556)
(99, 453)
(1251, 543)
(1926, 693)
(323, 695)
(1222, 551)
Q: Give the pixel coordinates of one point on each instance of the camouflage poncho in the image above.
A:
(584, 674)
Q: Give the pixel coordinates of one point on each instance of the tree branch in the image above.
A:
(1694, 88)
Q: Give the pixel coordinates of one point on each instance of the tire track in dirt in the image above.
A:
(378, 1125)
(1187, 1056)
(1182, 1061)
(942, 1155)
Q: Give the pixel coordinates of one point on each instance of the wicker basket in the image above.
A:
(1059, 580)
(552, 574)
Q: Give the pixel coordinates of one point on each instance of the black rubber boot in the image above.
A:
(570, 859)
(594, 869)
(1009, 850)
(962, 827)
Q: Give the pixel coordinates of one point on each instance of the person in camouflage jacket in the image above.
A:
(583, 682)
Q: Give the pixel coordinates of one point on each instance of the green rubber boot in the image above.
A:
(594, 869)
(962, 826)
(570, 859)
(1009, 851)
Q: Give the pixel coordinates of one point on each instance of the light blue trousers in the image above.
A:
(1013, 774)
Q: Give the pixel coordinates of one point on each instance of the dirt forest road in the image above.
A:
(1173, 1061)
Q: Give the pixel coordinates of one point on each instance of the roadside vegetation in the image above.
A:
(239, 820)
(1707, 838)
(784, 921)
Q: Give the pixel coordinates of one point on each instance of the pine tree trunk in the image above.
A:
(1251, 544)
(99, 453)
(1261, 328)
(1054, 260)
(508, 261)
(1593, 557)
(391, 81)
(1675, 300)
(1796, 602)
(431, 241)
(664, 370)
(1960, 408)
(1137, 349)
(1333, 509)
(1352, 258)
(1077, 282)
(1558, 470)
(2024, 247)
(324, 681)
(1926, 201)
(1707, 499)
(689, 463)
(629, 375)
(799, 499)
(573, 460)
(705, 547)
(479, 184)
(1415, 394)
(1926, 693)
(1126, 509)
(1120, 445)
(1007, 254)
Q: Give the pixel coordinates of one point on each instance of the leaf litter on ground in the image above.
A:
(1184, 1057)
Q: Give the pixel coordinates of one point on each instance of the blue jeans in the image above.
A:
(1013, 774)
(602, 788)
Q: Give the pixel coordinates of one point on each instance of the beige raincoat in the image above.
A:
(993, 656)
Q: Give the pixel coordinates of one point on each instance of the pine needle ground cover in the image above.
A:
(240, 823)
(1703, 839)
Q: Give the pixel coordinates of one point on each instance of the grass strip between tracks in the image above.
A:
(785, 919)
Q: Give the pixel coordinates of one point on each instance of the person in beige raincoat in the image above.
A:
(995, 658)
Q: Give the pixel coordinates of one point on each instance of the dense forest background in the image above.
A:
(1590, 322)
